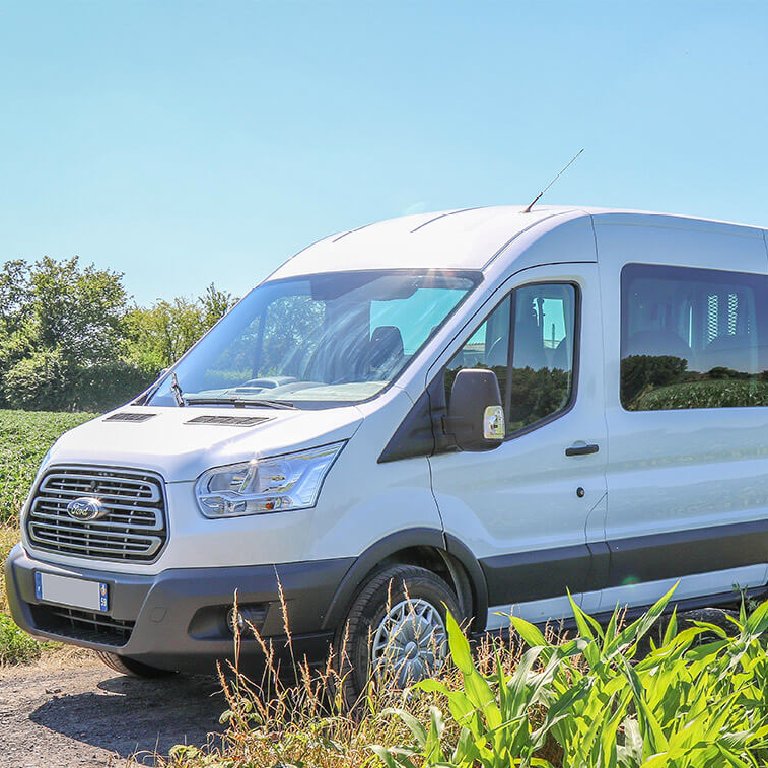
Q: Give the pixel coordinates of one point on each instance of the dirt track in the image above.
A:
(85, 715)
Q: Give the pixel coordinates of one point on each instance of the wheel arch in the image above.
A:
(430, 548)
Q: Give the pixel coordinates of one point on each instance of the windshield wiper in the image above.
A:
(177, 391)
(239, 402)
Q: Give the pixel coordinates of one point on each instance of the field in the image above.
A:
(25, 438)
(704, 394)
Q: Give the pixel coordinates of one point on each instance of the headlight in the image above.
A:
(292, 481)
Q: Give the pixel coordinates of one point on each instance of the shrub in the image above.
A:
(48, 381)
(589, 702)
(105, 386)
(38, 382)
(16, 646)
(24, 440)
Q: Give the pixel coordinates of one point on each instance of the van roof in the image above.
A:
(463, 238)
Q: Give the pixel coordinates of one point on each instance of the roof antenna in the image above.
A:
(562, 171)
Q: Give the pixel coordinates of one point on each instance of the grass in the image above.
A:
(694, 698)
(25, 437)
(302, 722)
(16, 647)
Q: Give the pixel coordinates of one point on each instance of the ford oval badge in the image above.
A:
(85, 508)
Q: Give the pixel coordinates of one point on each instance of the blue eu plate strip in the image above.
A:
(103, 597)
(38, 585)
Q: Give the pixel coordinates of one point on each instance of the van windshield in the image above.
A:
(316, 341)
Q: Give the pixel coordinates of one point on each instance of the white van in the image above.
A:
(479, 409)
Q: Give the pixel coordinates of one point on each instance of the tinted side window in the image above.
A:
(692, 338)
(541, 378)
(537, 383)
(488, 347)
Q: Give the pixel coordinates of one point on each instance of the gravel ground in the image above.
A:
(73, 713)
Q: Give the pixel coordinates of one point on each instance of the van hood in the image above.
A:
(181, 443)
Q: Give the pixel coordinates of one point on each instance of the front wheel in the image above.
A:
(395, 629)
(131, 667)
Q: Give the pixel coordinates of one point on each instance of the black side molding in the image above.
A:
(414, 437)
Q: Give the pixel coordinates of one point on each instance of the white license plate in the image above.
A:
(72, 592)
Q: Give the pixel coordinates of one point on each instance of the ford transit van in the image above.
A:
(478, 410)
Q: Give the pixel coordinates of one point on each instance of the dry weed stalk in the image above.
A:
(298, 717)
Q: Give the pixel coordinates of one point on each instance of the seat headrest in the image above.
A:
(386, 344)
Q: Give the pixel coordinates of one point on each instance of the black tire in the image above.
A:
(716, 616)
(130, 667)
(383, 590)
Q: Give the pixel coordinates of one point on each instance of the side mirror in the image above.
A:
(475, 415)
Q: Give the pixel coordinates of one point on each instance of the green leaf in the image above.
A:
(610, 630)
(584, 623)
(416, 728)
(476, 687)
(466, 752)
(757, 623)
(517, 685)
(632, 633)
(433, 746)
(391, 758)
(671, 629)
(529, 632)
(461, 652)
(654, 740)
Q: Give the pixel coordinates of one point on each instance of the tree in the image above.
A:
(215, 305)
(159, 335)
(15, 296)
(643, 373)
(78, 311)
(62, 336)
(70, 340)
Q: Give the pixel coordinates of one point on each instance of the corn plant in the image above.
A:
(696, 699)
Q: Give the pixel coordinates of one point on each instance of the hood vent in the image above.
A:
(134, 417)
(229, 421)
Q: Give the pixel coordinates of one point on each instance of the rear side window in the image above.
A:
(529, 343)
(692, 338)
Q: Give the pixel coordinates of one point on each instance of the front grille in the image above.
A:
(131, 525)
(82, 625)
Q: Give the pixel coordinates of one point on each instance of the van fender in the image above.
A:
(461, 552)
(447, 547)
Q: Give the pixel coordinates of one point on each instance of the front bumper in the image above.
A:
(177, 619)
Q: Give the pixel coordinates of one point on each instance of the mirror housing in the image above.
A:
(475, 414)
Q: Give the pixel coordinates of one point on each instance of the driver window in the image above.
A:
(488, 347)
(538, 384)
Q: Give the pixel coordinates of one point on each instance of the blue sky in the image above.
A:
(185, 142)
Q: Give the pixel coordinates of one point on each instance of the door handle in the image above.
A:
(580, 448)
